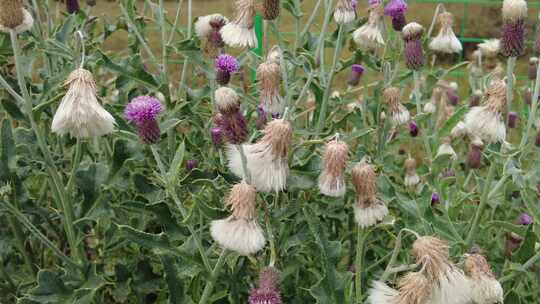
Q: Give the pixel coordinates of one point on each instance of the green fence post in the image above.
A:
(259, 49)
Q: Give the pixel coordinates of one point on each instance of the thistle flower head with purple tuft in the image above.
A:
(143, 111)
(267, 291)
(227, 63)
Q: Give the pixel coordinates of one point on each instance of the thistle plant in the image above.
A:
(168, 152)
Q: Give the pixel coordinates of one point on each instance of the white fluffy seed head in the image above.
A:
(452, 287)
(242, 236)
(269, 77)
(412, 29)
(344, 12)
(79, 112)
(331, 180)
(490, 48)
(514, 10)
(446, 149)
(227, 101)
(484, 286)
(240, 33)
(367, 214)
(380, 293)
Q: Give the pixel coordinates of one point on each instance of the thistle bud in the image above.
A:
(217, 137)
(414, 130)
(262, 118)
(411, 177)
(72, 6)
(513, 31)
(512, 119)
(231, 121)
(356, 73)
(191, 164)
(13, 16)
(270, 9)
(435, 199)
(531, 70)
(226, 65)
(537, 139)
(525, 219)
(368, 208)
(400, 114)
(143, 111)
(474, 158)
(452, 94)
(414, 53)
(512, 243)
(345, 12)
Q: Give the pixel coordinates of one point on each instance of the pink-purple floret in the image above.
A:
(354, 4)
(143, 108)
(227, 63)
(357, 68)
(395, 8)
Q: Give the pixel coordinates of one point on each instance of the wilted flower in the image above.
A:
(436, 95)
(514, 13)
(331, 180)
(208, 28)
(400, 114)
(269, 77)
(356, 73)
(13, 16)
(267, 159)
(396, 10)
(448, 283)
(490, 48)
(452, 94)
(240, 232)
(411, 177)
(345, 12)
(368, 208)
(486, 121)
(484, 286)
(369, 36)
(446, 41)
(267, 292)
(414, 54)
(413, 288)
(240, 32)
(230, 120)
(380, 293)
(143, 111)
(226, 65)
(525, 219)
(446, 149)
(80, 113)
(270, 9)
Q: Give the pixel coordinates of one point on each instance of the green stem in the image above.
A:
(171, 192)
(510, 65)
(19, 237)
(361, 237)
(326, 97)
(243, 157)
(270, 231)
(133, 27)
(418, 99)
(320, 44)
(51, 168)
(480, 209)
(532, 114)
(395, 253)
(75, 161)
(308, 23)
(209, 288)
(176, 20)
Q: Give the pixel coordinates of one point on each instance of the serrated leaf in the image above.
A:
(176, 162)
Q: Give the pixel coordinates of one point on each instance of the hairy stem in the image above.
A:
(209, 288)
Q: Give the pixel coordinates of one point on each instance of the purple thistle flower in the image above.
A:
(513, 38)
(413, 129)
(354, 4)
(217, 137)
(512, 119)
(356, 73)
(72, 6)
(374, 2)
(435, 199)
(225, 66)
(191, 164)
(525, 219)
(395, 8)
(398, 22)
(143, 111)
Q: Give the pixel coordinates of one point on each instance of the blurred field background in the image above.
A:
(474, 19)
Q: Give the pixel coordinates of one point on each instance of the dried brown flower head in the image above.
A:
(414, 288)
(242, 200)
(278, 134)
(495, 97)
(476, 266)
(336, 155)
(433, 253)
(11, 13)
(365, 182)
